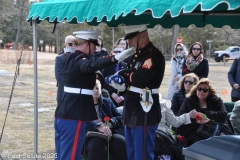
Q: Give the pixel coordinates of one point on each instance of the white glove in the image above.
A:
(118, 87)
(114, 96)
(125, 54)
(146, 106)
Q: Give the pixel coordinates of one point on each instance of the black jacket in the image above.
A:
(234, 77)
(107, 108)
(177, 101)
(201, 70)
(215, 111)
(79, 72)
(145, 69)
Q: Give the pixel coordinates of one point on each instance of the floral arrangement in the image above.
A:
(106, 120)
(173, 133)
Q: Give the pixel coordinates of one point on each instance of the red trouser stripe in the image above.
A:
(75, 142)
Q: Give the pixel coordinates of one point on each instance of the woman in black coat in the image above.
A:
(202, 98)
(185, 84)
(195, 62)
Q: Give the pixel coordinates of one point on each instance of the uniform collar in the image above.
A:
(145, 49)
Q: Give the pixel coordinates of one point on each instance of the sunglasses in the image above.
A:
(179, 49)
(186, 82)
(70, 44)
(202, 89)
(117, 51)
(198, 49)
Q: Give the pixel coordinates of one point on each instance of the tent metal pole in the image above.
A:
(113, 40)
(35, 89)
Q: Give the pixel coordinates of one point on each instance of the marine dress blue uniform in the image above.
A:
(76, 107)
(146, 69)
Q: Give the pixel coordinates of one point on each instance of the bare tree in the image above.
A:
(175, 31)
(19, 24)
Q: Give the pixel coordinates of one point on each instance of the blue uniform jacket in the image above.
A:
(145, 69)
(79, 72)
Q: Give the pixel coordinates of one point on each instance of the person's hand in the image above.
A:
(203, 121)
(235, 86)
(125, 54)
(114, 96)
(119, 99)
(193, 113)
(175, 78)
(104, 129)
(119, 87)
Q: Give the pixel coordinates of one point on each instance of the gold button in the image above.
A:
(135, 55)
(139, 51)
(128, 74)
(130, 65)
(134, 60)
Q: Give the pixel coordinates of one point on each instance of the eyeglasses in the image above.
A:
(179, 49)
(70, 44)
(186, 82)
(202, 89)
(198, 49)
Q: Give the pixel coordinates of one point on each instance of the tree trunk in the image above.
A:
(174, 37)
(19, 25)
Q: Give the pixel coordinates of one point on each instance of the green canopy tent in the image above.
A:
(164, 12)
(167, 13)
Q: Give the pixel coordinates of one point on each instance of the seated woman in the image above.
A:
(202, 98)
(97, 147)
(185, 84)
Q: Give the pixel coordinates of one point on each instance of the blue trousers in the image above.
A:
(69, 138)
(134, 139)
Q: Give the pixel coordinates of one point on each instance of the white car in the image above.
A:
(231, 52)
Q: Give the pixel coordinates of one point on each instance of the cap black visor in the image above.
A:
(94, 41)
(130, 35)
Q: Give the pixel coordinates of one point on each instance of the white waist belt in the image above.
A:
(139, 90)
(78, 90)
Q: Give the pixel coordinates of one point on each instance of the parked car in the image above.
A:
(231, 52)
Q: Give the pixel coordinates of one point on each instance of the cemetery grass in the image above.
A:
(18, 136)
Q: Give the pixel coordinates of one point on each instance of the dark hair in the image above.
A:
(202, 81)
(196, 43)
(118, 41)
(105, 93)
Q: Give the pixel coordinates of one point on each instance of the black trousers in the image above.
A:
(96, 148)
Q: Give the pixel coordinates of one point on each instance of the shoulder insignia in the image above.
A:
(147, 63)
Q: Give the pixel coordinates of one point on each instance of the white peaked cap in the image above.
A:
(135, 28)
(87, 35)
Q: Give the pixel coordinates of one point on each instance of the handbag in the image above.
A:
(97, 134)
(209, 129)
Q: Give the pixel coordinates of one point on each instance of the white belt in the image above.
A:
(78, 90)
(139, 90)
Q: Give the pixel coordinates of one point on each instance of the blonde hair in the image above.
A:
(181, 81)
(78, 42)
(202, 81)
